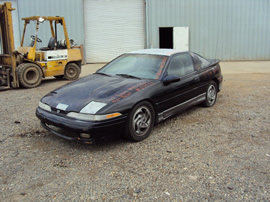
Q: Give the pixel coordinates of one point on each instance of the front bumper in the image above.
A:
(71, 129)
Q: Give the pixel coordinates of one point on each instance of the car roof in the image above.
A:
(166, 52)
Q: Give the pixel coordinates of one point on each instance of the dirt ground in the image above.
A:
(216, 154)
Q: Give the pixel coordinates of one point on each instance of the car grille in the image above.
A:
(62, 131)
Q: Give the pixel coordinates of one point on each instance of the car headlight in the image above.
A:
(44, 106)
(92, 107)
(88, 113)
(92, 117)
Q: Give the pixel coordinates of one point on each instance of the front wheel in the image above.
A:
(211, 95)
(140, 122)
(72, 71)
(29, 74)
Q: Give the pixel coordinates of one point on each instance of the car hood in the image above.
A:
(100, 88)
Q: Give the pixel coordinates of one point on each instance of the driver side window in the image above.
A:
(180, 65)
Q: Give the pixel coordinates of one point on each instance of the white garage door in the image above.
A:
(15, 21)
(112, 27)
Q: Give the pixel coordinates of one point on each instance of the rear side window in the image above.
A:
(180, 65)
(200, 61)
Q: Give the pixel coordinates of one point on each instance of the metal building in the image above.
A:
(223, 29)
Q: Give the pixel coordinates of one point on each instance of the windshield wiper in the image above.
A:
(128, 76)
(102, 74)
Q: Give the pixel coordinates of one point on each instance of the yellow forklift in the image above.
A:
(26, 66)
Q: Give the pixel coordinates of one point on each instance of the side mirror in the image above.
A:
(170, 79)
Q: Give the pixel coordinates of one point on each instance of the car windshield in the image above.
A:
(136, 65)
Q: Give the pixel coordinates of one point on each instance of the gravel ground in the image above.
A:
(216, 154)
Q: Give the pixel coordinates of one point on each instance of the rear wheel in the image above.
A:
(29, 74)
(140, 122)
(211, 95)
(72, 71)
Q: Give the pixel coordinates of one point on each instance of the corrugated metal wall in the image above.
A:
(72, 10)
(224, 29)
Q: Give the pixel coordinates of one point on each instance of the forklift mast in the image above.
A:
(8, 76)
(7, 37)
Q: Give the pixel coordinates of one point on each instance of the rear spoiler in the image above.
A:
(213, 62)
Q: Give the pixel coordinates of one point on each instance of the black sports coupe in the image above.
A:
(130, 94)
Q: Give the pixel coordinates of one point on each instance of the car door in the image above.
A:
(177, 95)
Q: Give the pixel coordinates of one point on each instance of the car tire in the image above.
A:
(211, 95)
(140, 122)
(72, 71)
(29, 75)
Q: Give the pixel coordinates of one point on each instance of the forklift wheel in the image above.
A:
(30, 75)
(72, 71)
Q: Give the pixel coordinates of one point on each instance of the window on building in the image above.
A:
(166, 37)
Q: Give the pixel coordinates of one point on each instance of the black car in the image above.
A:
(130, 94)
